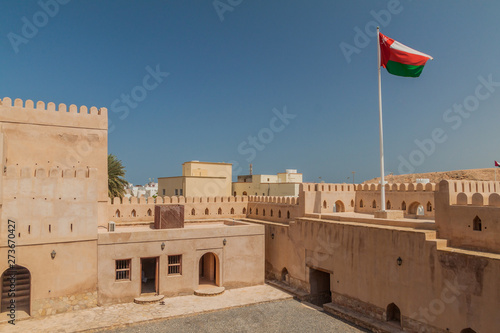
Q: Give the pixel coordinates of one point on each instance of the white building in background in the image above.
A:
(283, 184)
(148, 190)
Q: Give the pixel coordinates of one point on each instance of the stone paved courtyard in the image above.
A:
(130, 313)
(280, 316)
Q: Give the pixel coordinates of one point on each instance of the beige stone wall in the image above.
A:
(327, 198)
(205, 180)
(73, 271)
(397, 196)
(366, 277)
(208, 187)
(194, 186)
(240, 261)
(275, 209)
(204, 169)
(459, 203)
(230, 207)
(266, 189)
(54, 188)
(43, 136)
(168, 185)
(49, 206)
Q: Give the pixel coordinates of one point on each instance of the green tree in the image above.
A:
(116, 182)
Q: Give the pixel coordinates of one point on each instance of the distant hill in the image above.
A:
(436, 177)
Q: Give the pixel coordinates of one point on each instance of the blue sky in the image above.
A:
(235, 65)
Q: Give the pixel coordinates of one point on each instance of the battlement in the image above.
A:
(326, 187)
(46, 114)
(476, 193)
(276, 200)
(467, 214)
(142, 209)
(400, 187)
(175, 200)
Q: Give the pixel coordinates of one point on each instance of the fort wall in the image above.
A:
(434, 287)
(406, 196)
(327, 198)
(142, 209)
(468, 214)
(43, 136)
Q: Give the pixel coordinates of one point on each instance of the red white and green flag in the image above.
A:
(400, 59)
(497, 164)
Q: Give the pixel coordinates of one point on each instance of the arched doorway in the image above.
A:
(416, 209)
(467, 330)
(393, 313)
(284, 276)
(209, 271)
(339, 206)
(22, 278)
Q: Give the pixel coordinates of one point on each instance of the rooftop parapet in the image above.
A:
(176, 200)
(400, 187)
(326, 187)
(475, 193)
(47, 114)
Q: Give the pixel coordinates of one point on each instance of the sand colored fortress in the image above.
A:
(435, 270)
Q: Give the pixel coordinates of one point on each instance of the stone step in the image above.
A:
(208, 292)
(148, 299)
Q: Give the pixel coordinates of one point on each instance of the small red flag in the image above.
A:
(496, 164)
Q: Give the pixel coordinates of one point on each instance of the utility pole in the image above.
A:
(353, 172)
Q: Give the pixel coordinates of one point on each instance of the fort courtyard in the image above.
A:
(429, 263)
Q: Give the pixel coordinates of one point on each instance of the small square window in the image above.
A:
(175, 265)
(123, 270)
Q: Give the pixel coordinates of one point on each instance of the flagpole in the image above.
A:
(382, 181)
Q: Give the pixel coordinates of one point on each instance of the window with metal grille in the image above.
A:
(175, 264)
(123, 270)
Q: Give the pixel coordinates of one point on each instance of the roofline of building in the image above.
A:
(218, 163)
(208, 177)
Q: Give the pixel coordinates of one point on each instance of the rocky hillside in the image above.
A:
(436, 177)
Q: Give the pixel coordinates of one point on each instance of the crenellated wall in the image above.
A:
(142, 209)
(274, 209)
(407, 197)
(468, 214)
(327, 198)
(53, 189)
(43, 136)
(28, 112)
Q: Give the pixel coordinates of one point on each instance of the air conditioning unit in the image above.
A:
(111, 226)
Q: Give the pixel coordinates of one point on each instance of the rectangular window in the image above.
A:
(176, 192)
(175, 265)
(180, 191)
(163, 191)
(123, 270)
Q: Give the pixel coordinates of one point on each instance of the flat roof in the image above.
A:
(208, 163)
(208, 177)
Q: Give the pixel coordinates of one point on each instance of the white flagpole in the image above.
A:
(382, 181)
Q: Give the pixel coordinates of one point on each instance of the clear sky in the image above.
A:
(280, 84)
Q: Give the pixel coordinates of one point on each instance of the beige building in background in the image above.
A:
(199, 179)
(283, 184)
